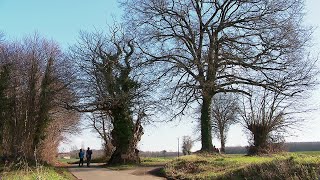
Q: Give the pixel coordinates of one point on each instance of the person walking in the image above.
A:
(81, 156)
(88, 156)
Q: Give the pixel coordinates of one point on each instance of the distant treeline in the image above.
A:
(302, 146)
(289, 146)
(75, 154)
(159, 154)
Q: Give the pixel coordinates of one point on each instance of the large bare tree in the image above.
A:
(111, 85)
(205, 47)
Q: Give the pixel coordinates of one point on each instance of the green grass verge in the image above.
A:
(155, 161)
(68, 161)
(39, 173)
(237, 166)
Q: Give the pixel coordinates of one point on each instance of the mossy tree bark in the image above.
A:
(205, 120)
(125, 136)
(126, 132)
(45, 101)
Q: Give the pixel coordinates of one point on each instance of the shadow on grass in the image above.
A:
(159, 172)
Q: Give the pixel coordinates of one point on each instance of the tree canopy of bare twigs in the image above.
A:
(267, 116)
(35, 81)
(187, 144)
(102, 125)
(112, 87)
(203, 48)
(225, 109)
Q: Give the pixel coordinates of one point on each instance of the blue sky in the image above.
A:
(61, 20)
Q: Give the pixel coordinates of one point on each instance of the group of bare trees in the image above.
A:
(204, 48)
(34, 84)
(265, 115)
(198, 53)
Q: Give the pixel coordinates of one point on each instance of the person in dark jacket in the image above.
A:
(81, 156)
(88, 156)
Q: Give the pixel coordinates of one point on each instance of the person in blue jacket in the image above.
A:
(81, 156)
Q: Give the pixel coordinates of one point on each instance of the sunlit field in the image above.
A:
(301, 165)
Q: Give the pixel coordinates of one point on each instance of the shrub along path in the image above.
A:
(99, 172)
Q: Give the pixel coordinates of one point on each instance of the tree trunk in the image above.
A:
(125, 138)
(46, 97)
(222, 142)
(223, 146)
(108, 147)
(4, 102)
(205, 120)
(260, 139)
(124, 156)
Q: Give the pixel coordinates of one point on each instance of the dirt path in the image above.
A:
(95, 172)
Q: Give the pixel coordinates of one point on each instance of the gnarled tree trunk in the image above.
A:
(260, 139)
(125, 137)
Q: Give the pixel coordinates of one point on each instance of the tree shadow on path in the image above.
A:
(153, 170)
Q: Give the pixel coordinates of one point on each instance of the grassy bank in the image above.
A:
(283, 166)
(39, 173)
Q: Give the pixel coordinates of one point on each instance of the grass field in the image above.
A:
(155, 161)
(302, 165)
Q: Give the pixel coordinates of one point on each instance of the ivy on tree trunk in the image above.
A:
(115, 92)
(126, 136)
(205, 120)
